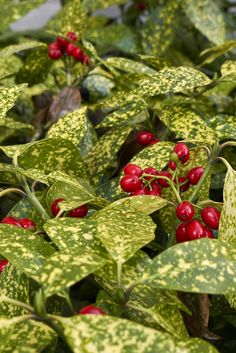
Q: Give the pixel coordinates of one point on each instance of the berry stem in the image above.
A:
(18, 191)
(119, 274)
(206, 173)
(227, 144)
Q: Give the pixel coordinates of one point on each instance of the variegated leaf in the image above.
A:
(9, 66)
(130, 66)
(13, 124)
(207, 18)
(214, 52)
(8, 96)
(15, 48)
(123, 231)
(174, 80)
(187, 124)
(228, 71)
(74, 18)
(93, 5)
(96, 333)
(223, 125)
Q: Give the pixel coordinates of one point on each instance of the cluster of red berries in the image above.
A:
(62, 47)
(79, 212)
(25, 223)
(146, 138)
(191, 228)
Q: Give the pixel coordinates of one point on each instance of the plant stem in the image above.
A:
(17, 303)
(200, 183)
(18, 191)
(119, 274)
(227, 144)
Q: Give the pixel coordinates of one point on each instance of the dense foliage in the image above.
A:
(118, 188)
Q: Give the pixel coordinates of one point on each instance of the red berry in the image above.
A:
(130, 183)
(142, 191)
(172, 165)
(156, 190)
(62, 42)
(27, 224)
(195, 229)
(54, 206)
(184, 187)
(208, 233)
(153, 141)
(92, 310)
(133, 169)
(162, 182)
(86, 60)
(194, 175)
(211, 217)
(180, 233)
(11, 220)
(182, 152)
(54, 51)
(140, 6)
(70, 49)
(144, 138)
(78, 54)
(185, 211)
(152, 171)
(79, 212)
(72, 36)
(3, 264)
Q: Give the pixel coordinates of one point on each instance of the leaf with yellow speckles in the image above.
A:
(9, 66)
(224, 125)
(228, 71)
(219, 50)
(23, 249)
(199, 266)
(130, 66)
(8, 96)
(103, 333)
(207, 18)
(93, 5)
(74, 18)
(15, 48)
(177, 79)
(123, 231)
(187, 124)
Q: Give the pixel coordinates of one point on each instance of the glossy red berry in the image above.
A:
(62, 42)
(54, 52)
(162, 182)
(208, 233)
(156, 190)
(11, 220)
(180, 233)
(86, 60)
(79, 212)
(142, 191)
(27, 224)
(54, 206)
(185, 211)
(78, 54)
(182, 152)
(130, 183)
(194, 175)
(153, 141)
(72, 36)
(172, 165)
(150, 170)
(186, 185)
(133, 169)
(195, 230)
(144, 138)
(70, 49)
(211, 217)
(92, 310)
(3, 264)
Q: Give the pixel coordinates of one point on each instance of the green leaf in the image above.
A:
(174, 80)
(98, 84)
(123, 231)
(104, 151)
(15, 48)
(15, 285)
(217, 51)
(8, 96)
(228, 71)
(93, 5)
(227, 227)
(64, 269)
(207, 18)
(103, 333)
(224, 125)
(130, 66)
(187, 124)
(9, 66)
(15, 125)
(51, 155)
(199, 266)
(74, 18)
(23, 249)
(157, 63)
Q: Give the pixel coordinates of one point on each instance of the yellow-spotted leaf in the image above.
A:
(224, 125)
(9, 66)
(93, 5)
(228, 71)
(130, 66)
(15, 48)
(74, 18)
(63, 269)
(111, 190)
(207, 18)
(174, 80)
(227, 228)
(23, 249)
(216, 51)
(123, 231)
(187, 124)
(8, 96)
(103, 333)
(157, 63)
(105, 150)
(199, 266)
(15, 125)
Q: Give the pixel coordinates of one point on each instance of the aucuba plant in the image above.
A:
(117, 178)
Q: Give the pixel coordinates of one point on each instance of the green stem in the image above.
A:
(227, 144)
(119, 274)
(18, 303)
(18, 191)
(200, 183)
